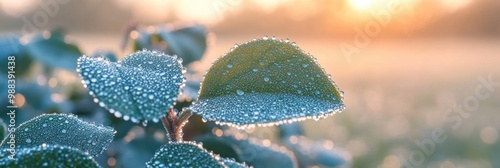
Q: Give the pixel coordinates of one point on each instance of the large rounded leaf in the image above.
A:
(183, 154)
(266, 82)
(61, 129)
(47, 156)
(142, 86)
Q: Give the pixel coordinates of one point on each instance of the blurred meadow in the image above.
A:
(406, 67)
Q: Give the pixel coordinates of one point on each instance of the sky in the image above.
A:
(397, 18)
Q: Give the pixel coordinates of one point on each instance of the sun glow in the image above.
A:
(361, 4)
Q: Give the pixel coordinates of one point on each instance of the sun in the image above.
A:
(361, 4)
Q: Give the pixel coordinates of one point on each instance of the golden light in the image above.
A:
(361, 4)
(19, 100)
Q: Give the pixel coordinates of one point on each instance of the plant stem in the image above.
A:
(174, 122)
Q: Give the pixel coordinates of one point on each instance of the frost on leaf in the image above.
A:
(61, 129)
(183, 154)
(266, 82)
(231, 163)
(47, 156)
(142, 86)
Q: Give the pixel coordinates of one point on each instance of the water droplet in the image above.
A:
(151, 97)
(63, 131)
(240, 92)
(229, 65)
(255, 69)
(93, 80)
(28, 140)
(44, 125)
(305, 65)
(266, 79)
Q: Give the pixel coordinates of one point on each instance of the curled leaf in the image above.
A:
(183, 154)
(266, 82)
(47, 156)
(142, 86)
(61, 129)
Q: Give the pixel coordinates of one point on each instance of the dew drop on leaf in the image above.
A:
(47, 156)
(240, 92)
(183, 154)
(133, 86)
(74, 133)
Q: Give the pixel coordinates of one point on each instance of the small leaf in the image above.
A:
(54, 51)
(47, 156)
(266, 82)
(189, 43)
(62, 129)
(231, 163)
(142, 86)
(183, 154)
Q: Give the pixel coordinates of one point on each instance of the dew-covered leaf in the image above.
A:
(47, 156)
(231, 163)
(252, 153)
(183, 154)
(266, 82)
(189, 43)
(54, 51)
(62, 129)
(142, 86)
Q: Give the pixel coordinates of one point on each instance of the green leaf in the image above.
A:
(183, 154)
(142, 86)
(47, 156)
(189, 43)
(54, 51)
(61, 129)
(231, 163)
(316, 153)
(266, 82)
(3, 129)
(252, 153)
(10, 46)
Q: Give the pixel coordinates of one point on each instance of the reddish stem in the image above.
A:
(174, 123)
